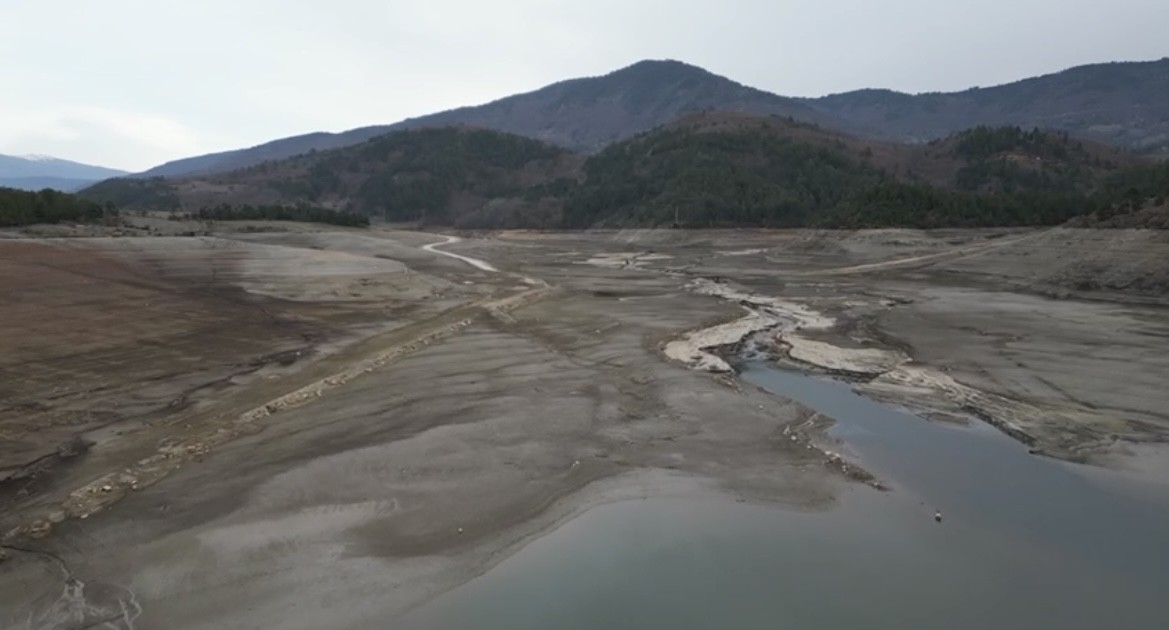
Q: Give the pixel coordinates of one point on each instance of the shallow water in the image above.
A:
(1026, 543)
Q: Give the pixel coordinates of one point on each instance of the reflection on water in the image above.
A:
(983, 477)
(1026, 543)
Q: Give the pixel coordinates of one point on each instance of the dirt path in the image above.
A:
(964, 251)
(474, 262)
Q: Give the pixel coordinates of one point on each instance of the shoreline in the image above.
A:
(620, 381)
(886, 374)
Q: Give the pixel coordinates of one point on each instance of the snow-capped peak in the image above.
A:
(37, 157)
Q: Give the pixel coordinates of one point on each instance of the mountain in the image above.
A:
(35, 172)
(705, 169)
(436, 175)
(579, 114)
(274, 150)
(725, 170)
(1123, 104)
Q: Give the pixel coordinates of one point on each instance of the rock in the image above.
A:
(73, 448)
(39, 529)
(107, 488)
(938, 516)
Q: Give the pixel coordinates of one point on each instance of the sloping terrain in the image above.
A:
(35, 172)
(63, 184)
(447, 414)
(111, 329)
(716, 169)
(580, 114)
(1127, 265)
(1123, 104)
(1138, 198)
(703, 170)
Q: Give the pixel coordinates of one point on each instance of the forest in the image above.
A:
(732, 178)
(724, 171)
(22, 207)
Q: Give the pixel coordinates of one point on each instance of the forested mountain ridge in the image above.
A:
(579, 114)
(1123, 104)
(433, 175)
(713, 170)
(704, 170)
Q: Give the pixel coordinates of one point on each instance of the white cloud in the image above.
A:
(96, 135)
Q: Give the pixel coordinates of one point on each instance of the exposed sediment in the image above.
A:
(416, 475)
(893, 375)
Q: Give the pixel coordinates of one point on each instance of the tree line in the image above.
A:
(22, 207)
(695, 177)
(711, 179)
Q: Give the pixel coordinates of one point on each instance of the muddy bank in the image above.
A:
(697, 348)
(407, 476)
(804, 337)
(412, 475)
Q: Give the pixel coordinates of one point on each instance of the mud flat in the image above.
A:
(1071, 377)
(405, 477)
(440, 416)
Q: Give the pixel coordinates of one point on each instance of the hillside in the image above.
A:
(1123, 104)
(430, 175)
(579, 114)
(588, 114)
(62, 184)
(707, 169)
(718, 170)
(35, 172)
(1136, 198)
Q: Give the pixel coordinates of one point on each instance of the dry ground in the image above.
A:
(284, 423)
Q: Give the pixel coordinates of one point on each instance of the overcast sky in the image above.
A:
(133, 83)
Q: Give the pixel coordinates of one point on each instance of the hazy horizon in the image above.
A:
(134, 84)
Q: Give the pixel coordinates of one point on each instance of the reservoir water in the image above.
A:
(1027, 542)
